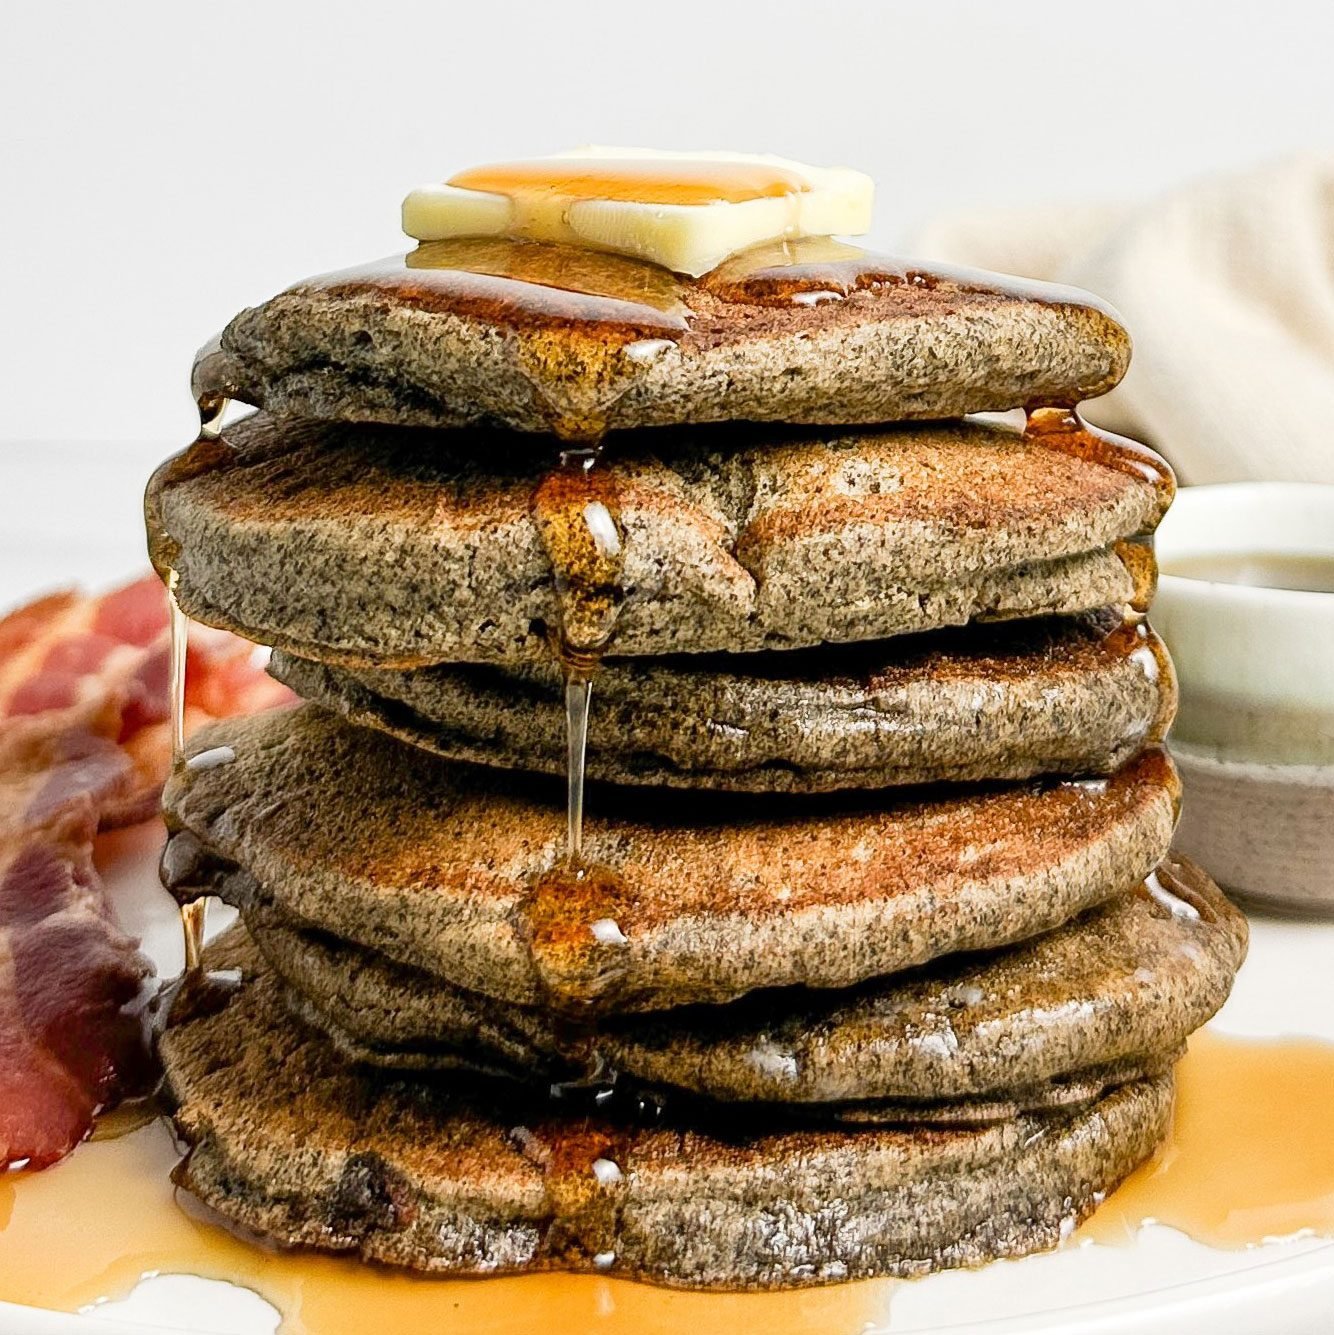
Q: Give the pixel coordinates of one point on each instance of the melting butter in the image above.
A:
(686, 212)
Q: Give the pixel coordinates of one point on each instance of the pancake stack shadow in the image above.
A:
(868, 957)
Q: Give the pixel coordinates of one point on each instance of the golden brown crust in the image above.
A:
(548, 338)
(378, 546)
(461, 871)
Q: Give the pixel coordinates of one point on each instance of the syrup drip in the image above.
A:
(576, 918)
(1250, 1157)
(1065, 430)
(210, 384)
(1134, 640)
(1136, 554)
(585, 323)
(577, 512)
(203, 454)
(578, 695)
(194, 919)
(180, 644)
(1251, 1153)
(207, 453)
(193, 915)
(572, 914)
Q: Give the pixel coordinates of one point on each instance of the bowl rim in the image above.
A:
(1199, 501)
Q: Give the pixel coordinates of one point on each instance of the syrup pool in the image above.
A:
(1250, 1158)
(92, 1226)
(1251, 1153)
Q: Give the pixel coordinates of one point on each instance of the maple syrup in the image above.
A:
(575, 938)
(207, 452)
(585, 295)
(145, 1227)
(591, 313)
(586, 323)
(636, 180)
(576, 509)
(1063, 429)
(1134, 640)
(1136, 555)
(810, 271)
(575, 917)
(194, 920)
(1250, 1157)
(532, 281)
(210, 385)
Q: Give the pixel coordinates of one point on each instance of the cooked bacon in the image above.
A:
(85, 744)
(68, 1044)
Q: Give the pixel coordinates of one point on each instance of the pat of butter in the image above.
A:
(685, 211)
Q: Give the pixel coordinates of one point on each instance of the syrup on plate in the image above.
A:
(1250, 1158)
(92, 1226)
(1251, 1153)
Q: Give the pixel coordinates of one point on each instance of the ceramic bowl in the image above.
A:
(1254, 738)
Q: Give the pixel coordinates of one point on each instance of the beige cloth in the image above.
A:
(1227, 287)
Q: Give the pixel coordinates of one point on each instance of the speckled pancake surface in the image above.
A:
(1010, 701)
(1055, 1020)
(461, 871)
(452, 1177)
(549, 338)
(368, 546)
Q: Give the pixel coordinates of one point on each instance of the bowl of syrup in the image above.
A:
(1246, 605)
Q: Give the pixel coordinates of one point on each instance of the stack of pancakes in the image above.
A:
(868, 958)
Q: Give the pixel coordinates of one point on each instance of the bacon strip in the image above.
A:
(85, 744)
(67, 1045)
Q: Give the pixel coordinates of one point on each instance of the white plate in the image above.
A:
(1164, 1284)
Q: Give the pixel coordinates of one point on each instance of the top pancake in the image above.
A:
(558, 339)
(372, 546)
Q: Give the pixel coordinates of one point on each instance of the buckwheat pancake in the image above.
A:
(461, 871)
(1056, 1020)
(549, 338)
(372, 546)
(291, 1142)
(1057, 696)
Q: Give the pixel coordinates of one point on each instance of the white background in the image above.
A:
(164, 163)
